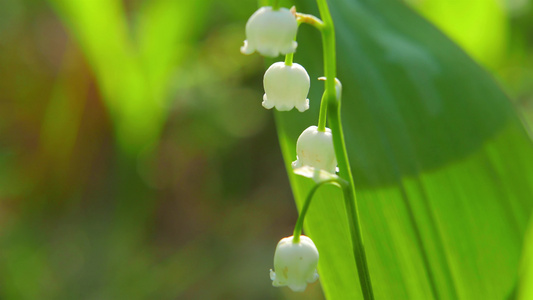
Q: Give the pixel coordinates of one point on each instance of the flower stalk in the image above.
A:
(271, 31)
(275, 5)
(309, 19)
(288, 59)
(300, 222)
(330, 105)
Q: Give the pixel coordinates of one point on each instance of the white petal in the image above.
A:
(246, 49)
(303, 106)
(313, 277)
(267, 104)
(298, 287)
(291, 48)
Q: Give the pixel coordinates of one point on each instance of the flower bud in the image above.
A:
(315, 149)
(338, 87)
(295, 263)
(286, 87)
(270, 32)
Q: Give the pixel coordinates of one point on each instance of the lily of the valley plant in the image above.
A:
(272, 31)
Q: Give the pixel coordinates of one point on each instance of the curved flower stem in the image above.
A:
(323, 113)
(300, 222)
(332, 109)
(309, 19)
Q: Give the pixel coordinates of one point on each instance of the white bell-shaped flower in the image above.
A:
(271, 32)
(286, 87)
(295, 263)
(315, 149)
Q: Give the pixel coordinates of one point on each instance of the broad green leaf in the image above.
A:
(461, 21)
(442, 163)
(525, 284)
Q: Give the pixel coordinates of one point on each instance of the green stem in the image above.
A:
(323, 113)
(275, 5)
(357, 242)
(309, 19)
(333, 113)
(330, 61)
(300, 222)
(288, 59)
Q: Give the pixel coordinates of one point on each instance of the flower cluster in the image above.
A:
(271, 32)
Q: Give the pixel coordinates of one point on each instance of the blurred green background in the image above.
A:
(136, 161)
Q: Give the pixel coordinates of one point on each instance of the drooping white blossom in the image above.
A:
(271, 32)
(286, 87)
(314, 148)
(295, 263)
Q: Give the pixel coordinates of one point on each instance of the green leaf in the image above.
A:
(133, 67)
(460, 21)
(525, 284)
(100, 28)
(442, 163)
